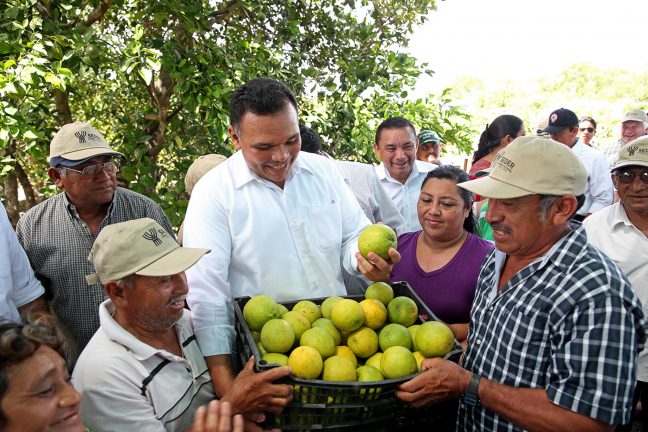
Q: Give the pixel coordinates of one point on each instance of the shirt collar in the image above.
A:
(383, 174)
(243, 174)
(618, 217)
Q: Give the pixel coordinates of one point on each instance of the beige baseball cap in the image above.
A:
(200, 167)
(635, 115)
(532, 165)
(79, 141)
(141, 247)
(633, 153)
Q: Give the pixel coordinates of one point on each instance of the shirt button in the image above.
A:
(478, 342)
(490, 308)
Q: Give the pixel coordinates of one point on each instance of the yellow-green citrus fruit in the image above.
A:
(369, 373)
(338, 369)
(412, 329)
(375, 313)
(380, 291)
(394, 335)
(346, 352)
(377, 238)
(374, 360)
(258, 311)
(402, 310)
(298, 322)
(397, 362)
(305, 362)
(328, 325)
(280, 310)
(309, 309)
(347, 315)
(434, 339)
(363, 342)
(327, 306)
(277, 336)
(278, 358)
(319, 339)
(419, 359)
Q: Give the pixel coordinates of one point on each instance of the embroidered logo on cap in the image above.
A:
(632, 150)
(554, 117)
(81, 135)
(153, 236)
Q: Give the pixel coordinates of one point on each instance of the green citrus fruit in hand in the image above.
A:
(377, 238)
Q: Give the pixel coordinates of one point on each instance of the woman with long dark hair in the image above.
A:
(441, 262)
(495, 137)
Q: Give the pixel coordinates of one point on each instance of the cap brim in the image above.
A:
(554, 129)
(492, 188)
(176, 261)
(87, 153)
(629, 163)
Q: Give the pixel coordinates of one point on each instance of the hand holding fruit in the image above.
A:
(375, 268)
(440, 379)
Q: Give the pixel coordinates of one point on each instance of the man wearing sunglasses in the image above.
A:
(621, 232)
(58, 233)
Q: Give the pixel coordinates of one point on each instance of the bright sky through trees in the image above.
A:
(525, 39)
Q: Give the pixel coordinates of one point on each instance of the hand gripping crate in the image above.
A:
(325, 405)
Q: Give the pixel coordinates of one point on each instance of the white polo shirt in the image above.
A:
(600, 190)
(611, 231)
(128, 385)
(405, 196)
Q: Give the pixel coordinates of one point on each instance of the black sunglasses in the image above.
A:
(628, 177)
(587, 129)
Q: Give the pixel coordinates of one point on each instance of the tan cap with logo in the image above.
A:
(78, 141)
(532, 165)
(635, 115)
(200, 167)
(633, 153)
(139, 246)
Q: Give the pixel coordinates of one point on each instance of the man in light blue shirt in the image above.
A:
(20, 291)
(400, 174)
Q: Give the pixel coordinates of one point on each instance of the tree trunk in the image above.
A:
(62, 107)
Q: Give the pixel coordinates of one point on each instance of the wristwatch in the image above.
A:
(471, 397)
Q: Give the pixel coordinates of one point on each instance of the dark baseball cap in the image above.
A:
(560, 119)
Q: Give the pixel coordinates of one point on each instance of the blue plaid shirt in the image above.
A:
(569, 323)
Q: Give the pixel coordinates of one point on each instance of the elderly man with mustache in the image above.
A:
(143, 370)
(555, 326)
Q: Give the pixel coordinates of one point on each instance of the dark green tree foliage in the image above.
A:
(155, 77)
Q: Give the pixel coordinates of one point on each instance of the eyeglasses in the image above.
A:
(628, 177)
(590, 130)
(110, 167)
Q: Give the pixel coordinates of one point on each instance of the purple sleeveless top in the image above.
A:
(448, 291)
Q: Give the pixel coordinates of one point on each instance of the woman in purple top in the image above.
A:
(442, 261)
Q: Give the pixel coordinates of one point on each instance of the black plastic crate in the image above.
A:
(326, 405)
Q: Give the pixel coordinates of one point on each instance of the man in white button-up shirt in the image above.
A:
(563, 127)
(621, 232)
(400, 174)
(277, 221)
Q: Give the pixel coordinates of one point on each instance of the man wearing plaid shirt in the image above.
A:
(555, 326)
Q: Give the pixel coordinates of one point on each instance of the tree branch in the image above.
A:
(95, 15)
(223, 13)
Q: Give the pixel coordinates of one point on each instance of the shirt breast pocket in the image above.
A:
(531, 334)
(326, 225)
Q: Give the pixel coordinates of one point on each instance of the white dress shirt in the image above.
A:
(288, 243)
(600, 190)
(405, 196)
(18, 285)
(613, 233)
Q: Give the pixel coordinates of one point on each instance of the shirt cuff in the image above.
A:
(216, 340)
